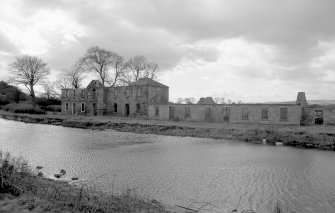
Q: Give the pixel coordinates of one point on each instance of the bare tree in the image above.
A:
(99, 60)
(138, 67)
(62, 82)
(75, 75)
(151, 70)
(190, 100)
(70, 78)
(119, 67)
(29, 71)
(219, 100)
(49, 90)
(180, 100)
(135, 66)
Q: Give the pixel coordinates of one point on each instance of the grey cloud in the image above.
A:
(6, 45)
(289, 23)
(111, 31)
(159, 29)
(149, 45)
(266, 20)
(209, 54)
(293, 75)
(295, 27)
(30, 7)
(43, 3)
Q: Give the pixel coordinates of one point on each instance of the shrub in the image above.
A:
(10, 94)
(12, 171)
(24, 107)
(3, 102)
(48, 102)
(52, 108)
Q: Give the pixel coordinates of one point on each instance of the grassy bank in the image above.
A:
(42, 106)
(23, 189)
(23, 107)
(321, 137)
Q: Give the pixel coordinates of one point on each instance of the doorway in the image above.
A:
(94, 109)
(171, 113)
(73, 108)
(318, 117)
(208, 115)
(115, 107)
(126, 110)
(226, 114)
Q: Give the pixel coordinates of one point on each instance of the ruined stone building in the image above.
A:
(228, 113)
(295, 113)
(130, 100)
(149, 98)
(207, 100)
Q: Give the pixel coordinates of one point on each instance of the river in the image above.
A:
(180, 170)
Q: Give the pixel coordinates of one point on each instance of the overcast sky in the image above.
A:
(254, 51)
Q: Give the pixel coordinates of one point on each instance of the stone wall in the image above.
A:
(301, 100)
(119, 97)
(72, 100)
(136, 98)
(235, 113)
(319, 115)
(122, 101)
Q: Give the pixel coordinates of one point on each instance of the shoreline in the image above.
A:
(320, 137)
(25, 189)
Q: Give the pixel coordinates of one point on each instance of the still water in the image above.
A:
(180, 170)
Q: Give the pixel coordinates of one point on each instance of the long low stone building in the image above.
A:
(149, 98)
(319, 115)
(232, 113)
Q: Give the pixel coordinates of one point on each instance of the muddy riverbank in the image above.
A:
(321, 137)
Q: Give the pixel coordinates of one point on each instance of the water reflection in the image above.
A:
(181, 170)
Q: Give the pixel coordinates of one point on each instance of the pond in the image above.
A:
(180, 170)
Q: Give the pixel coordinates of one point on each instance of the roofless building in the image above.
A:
(149, 98)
